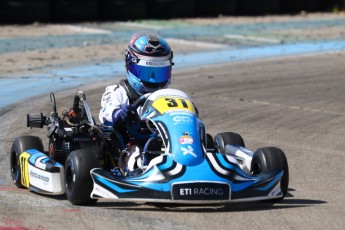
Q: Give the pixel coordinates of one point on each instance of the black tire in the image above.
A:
(20, 145)
(210, 143)
(268, 158)
(223, 139)
(78, 180)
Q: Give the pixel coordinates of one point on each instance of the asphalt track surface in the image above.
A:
(295, 103)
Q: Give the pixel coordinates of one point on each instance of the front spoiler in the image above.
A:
(216, 180)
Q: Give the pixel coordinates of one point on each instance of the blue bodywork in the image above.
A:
(185, 172)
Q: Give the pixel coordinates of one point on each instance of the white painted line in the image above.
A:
(196, 43)
(140, 25)
(250, 38)
(85, 30)
(293, 107)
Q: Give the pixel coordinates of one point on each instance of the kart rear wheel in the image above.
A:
(56, 151)
(268, 158)
(20, 145)
(79, 183)
(223, 139)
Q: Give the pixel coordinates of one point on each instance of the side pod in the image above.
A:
(41, 174)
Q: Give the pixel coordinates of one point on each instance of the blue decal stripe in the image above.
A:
(46, 160)
(160, 187)
(147, 174)
(112, 185)
(272, 183)
(34, 155)
(241, 186)
(202, 172)
(168, 164)
(227, 165)
(163, 186)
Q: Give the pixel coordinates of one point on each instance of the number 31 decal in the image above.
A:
(173, 103)
(166, 104)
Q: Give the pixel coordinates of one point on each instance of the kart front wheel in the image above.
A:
(20, 145)
(79, 183)
(223, 139)
(268, 158)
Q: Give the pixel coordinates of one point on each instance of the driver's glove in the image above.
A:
(125, 114)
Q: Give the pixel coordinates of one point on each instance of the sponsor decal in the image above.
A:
(201, 191)
(186, 140)
(181, 113)
(66, 145)
(182, 120)
(189, 150)
(82, 139)
(40, 177)
(276, 191)
(102, 192)
(154, 63)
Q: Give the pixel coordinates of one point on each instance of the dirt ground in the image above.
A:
(28, 60)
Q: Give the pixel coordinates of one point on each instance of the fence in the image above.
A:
(28, 11)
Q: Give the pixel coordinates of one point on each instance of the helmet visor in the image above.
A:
(153, 72)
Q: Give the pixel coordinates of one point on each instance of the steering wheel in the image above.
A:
(140, 101)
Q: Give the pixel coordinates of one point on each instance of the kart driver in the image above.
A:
(148, 62)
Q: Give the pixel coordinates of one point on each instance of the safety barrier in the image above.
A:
(28, 11)
(22, 11)
(73, 10)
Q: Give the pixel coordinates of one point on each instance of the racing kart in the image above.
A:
(178, 162)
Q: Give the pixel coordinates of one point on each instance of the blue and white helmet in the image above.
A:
(148, 63)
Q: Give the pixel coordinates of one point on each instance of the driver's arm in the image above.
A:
(123, 114)
(113, 98)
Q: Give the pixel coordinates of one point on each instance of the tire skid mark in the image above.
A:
(11, 224)
(71, 210)
(5, 188)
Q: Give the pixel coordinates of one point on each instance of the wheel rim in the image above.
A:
(69, 178)
(14, 165)
(256, 169)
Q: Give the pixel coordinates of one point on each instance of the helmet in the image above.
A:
(148, 63)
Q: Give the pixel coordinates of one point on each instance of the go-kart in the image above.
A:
(177, 163)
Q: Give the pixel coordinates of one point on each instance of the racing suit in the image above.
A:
(128, 134)
(113, 98)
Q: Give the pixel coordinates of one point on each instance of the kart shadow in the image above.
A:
(286, 203)
(233, 207)
(283, 204)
